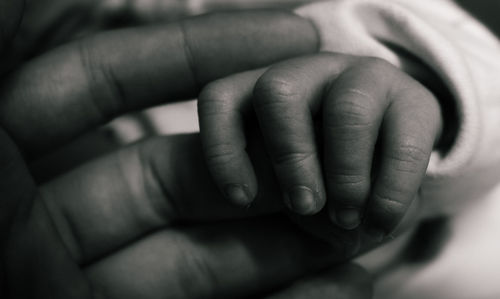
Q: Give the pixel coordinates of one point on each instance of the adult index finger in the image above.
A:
(88, 82)
(348, 281)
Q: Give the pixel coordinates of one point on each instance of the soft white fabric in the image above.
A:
(468, 267)
(464, 54)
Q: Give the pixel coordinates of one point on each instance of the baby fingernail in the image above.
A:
(238, 194)
(301, 200)
(348, 218)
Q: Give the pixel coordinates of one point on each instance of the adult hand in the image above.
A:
(147, 222)
(131, 222)
(38, 259)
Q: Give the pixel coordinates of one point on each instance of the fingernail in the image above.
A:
(301, 200)
(238, 194)
(348, 218)
(376, 234)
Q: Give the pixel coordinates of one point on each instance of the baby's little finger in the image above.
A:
(221, 109)
(409, 131)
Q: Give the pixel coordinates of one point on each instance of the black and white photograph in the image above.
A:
(249, 149)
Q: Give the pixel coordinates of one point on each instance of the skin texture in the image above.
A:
(102, 230)
(184, 54)
(157, 213)
(377, 128)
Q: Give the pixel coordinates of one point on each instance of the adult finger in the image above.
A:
(347, 281)
(85, 83)
(285, 102)
(17, 188)
(120, 198)
(34, 262)
(410, 129)
(223, 107)
(11, 13)
(220, 260)
(126, 194)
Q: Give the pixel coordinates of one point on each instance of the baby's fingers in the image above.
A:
(409, 131)
(370, 105)
(352, 114)
(285, 99)
(222, 106)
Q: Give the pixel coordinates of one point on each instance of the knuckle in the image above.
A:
(347, 188)
(408, 157)
(157, 187)
(375, 63)
(220, 154)
(388, 210)
(346, 179)
(215, 98)
(274, 90)
(106, 92)
(293, 158)
(212, 91)
(353, 109)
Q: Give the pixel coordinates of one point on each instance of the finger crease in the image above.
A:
(188, 53)
(167, 209)
(196, 266)
(106, 92)
(293, 158)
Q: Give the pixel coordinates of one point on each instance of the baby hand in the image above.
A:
(378, 127)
